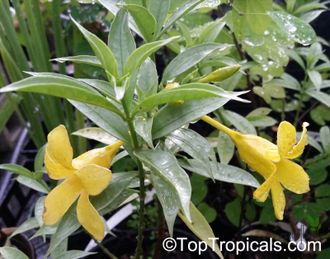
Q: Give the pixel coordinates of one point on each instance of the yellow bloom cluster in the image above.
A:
(87, 175)
(272, 161)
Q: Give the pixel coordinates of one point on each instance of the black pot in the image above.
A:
(123, 246)
(20, 241)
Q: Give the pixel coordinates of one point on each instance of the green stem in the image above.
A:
(105, 250)
(142, 193)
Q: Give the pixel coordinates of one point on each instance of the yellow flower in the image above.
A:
(86, 175)
(272, 161)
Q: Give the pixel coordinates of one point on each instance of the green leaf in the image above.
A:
(193, 144)
(322, 191)
(221, 172)
(110, 122)
(32, 183)
(136, 59)
(73, 254)
(180, 12)
(7, 108)
(173, 116)
(169, 199)
(189, 58)
(39, 159)
(239, 122)
(159, 9)
(259, 112)
(233, 211)
(324, 254)
(184, 93)
(81, 59)
(112, 6)
(315, 77)
(101, 50)
(209, 213)
(164, 164)
(12, 253)
(113, 192)
(121, 40)
(294, 28)
(143, 127)
(145, 21)
(325, 138)
(147, 79)
(211, 31)
(253, 14)
(262, 121)
(29, 224)
(61, 86)
(225, 148)
(17, 169)
(318, 95)
(97, 134)
(201, 228)
(103, 87)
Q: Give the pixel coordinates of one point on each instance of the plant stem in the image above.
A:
(105, 250)
(142, 193)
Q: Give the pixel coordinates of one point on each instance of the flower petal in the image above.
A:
(261, 193)
(89, 218)
(94, 178)
(56, 170)
(99, 156)
(254, 152)
(292, 176)
(286, 138)
(60, 199)
(298, 149)
(278, 199)
(59, 153)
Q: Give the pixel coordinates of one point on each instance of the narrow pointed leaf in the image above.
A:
(201, 228)
(81, 59)
(169, 199)
(121, 40)
(101, 50)
(221, 172)
(61, 86)
(189, 58)
(173, 116)
(136, 59)
(109, 121)
(164, 164)
(145, 21)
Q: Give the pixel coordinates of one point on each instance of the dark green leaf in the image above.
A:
(233, 211)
